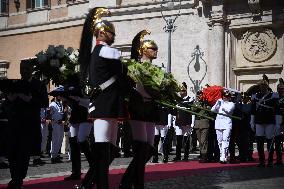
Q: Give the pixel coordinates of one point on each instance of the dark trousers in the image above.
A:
(3, 139)
(233, 141)
(213, 148)
(18, 157)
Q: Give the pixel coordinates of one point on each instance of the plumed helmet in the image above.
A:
(101, 25)
(139, 45)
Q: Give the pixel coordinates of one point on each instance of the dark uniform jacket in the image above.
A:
(110, 102)
(184, 118)
(24, 117)
(264, 108)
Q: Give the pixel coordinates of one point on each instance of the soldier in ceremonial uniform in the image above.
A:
(202, 127)
(103, 69)
(184, 122)
(161, 129)
(143, 115)
(263, 120)
(24, 132)
(80, 128)
(223, 124)
(279, 123)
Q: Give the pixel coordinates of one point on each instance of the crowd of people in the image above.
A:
(95, 124)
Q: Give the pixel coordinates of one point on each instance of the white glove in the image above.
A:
(252, 123)
(192, 125)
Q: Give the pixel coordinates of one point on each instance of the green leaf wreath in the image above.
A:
(57, 64)
(160, 85)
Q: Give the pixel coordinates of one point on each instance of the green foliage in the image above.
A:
(159, 85)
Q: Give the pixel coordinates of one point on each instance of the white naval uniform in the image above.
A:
(163, 129)
(56, 111)
(223, 126)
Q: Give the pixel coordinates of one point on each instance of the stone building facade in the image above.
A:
(217, 42)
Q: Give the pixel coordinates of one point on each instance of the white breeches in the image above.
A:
(161, 130)
(182, 130)
(143, 131)
(57, 139)
(267, 130)
(105, 130)
(44, 133)
(223, 138)
(81, 130)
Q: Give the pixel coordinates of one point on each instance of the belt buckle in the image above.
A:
(95, 92)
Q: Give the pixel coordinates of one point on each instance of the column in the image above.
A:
(216, 62)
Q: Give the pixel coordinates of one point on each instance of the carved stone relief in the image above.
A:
(258, 45)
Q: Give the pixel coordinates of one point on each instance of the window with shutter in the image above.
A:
(4, 5)
(4, 65)
(31, 4)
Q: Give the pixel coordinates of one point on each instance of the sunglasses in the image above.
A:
(152, 48)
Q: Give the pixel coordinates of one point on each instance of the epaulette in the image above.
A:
(110, 53)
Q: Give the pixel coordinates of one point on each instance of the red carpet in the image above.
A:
(153, 173)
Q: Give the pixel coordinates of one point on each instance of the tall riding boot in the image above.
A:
(75, 159)
(85, 148)
(89, 179)
(156, 146)
(102, 161)
(114, 151)
(142, 156)
(166, 148)
(127, 178)
(278, 150)
(186, 147)
(260, 150)
(178, 148)
(270, 149)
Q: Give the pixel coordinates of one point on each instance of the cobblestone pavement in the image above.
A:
(243, 178)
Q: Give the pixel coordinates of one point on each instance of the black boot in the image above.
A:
(127, 178)
(270, 149)
(88, 181)
(102, 160)
(178, 148)
(98, 171)
(260, 150)
(144, 154)
(156, 146)
(75, 160)
(85, 148)
(186, 148)
(278, 150)
(166, 148)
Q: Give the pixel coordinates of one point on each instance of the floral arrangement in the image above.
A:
(159, 85)
(57, 64)
(212, 93)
